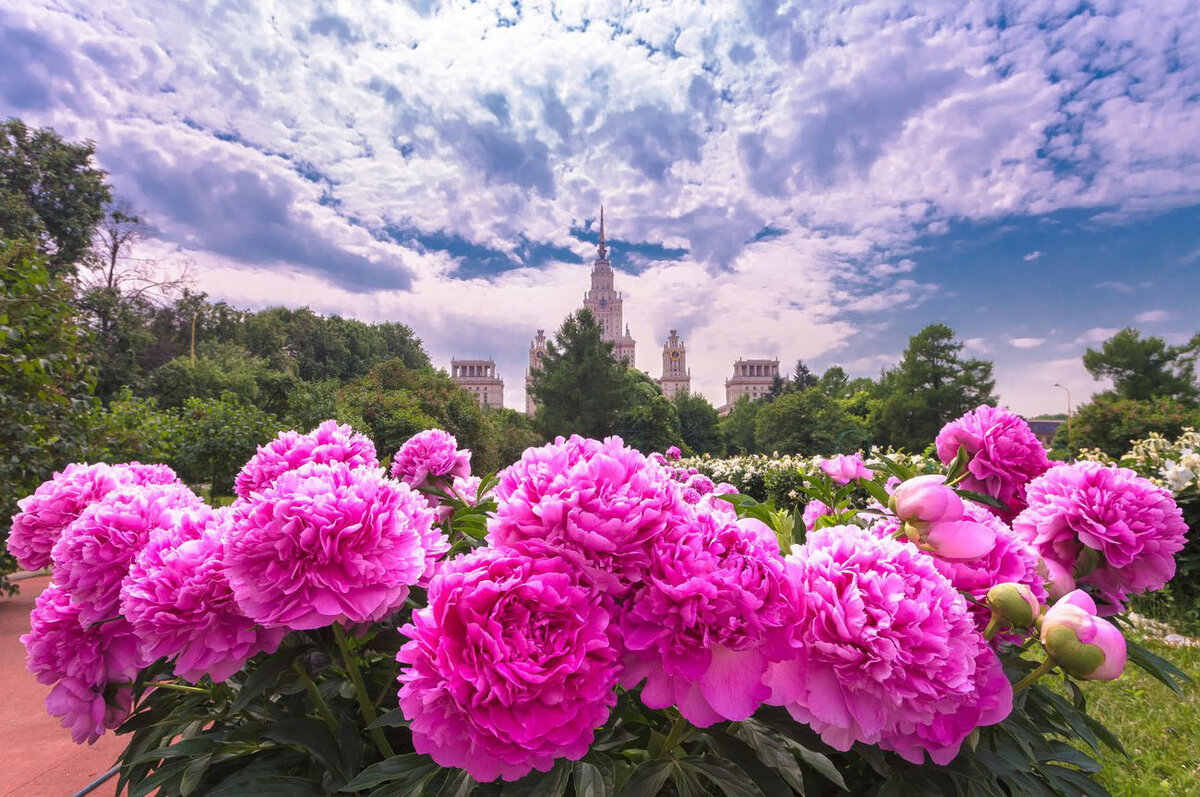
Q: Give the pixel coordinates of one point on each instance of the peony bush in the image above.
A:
(596, 621)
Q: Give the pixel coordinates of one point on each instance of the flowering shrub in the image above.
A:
(592, 620)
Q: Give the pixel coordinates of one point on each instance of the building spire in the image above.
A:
(603, 248)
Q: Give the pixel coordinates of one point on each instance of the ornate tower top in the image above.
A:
(603, 249)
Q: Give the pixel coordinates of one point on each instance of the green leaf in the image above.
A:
(265, 675)
(1157, 667)
(772, 752)
(408, 768)
(730, 779)
(647, 778)
(769, 782)
(588, 780)
(457, 784)
(980, 498)
(268, 786)
(877, 491)
(310, 735)
(541, 784)
(392, 719)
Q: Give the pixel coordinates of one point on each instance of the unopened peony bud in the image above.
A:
(844, 469)
(1059, 580)
(955, 540)
(926, 499)
(1083, 644)
(1015, 603)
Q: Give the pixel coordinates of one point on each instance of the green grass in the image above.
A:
(1160, 731)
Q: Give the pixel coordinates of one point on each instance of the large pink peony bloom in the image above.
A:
(1106, 526)
(431, 456)
(714, 611)
(1012, 560)
(57, 502)
(601, 504)
(93, 554)
(324, 544)
(180, 605)
(329, 442)
(1005, 454)
(80, 662)
(511, 665)
(886, 650)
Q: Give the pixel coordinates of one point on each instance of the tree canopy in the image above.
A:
(580, 387)
(1146, 368)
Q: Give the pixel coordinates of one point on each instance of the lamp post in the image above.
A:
(1070, 440)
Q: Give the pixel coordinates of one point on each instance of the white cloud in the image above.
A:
(1095, 335)
(1152, 316)
(1116, 286)
(1032, 256)
(1026, 343)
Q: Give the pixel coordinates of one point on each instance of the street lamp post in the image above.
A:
(1070, 439)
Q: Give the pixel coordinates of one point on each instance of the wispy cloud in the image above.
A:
(1152, 316)
(1115, 285)
(1032, 256)
(1026, 343)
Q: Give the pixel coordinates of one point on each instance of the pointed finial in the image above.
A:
(603, 248)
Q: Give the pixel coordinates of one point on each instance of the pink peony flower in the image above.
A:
(600, 504)
(431, 455)
(1005, 454)
(714, 611)
(1080, 642)
(886, 651)
(673, 453)
(80, 662)
(1106, 526)
(510, 666)
(93, 554)
(844, 469)
(57, 502)
(179, 603)
(926, 499)
(815, 509)
(324, 544)
(329, 442)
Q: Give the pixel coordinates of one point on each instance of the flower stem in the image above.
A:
(675, 735)
(1043, 668)
(179, 687)
(993, 626)
(360, 688)
(315, 694)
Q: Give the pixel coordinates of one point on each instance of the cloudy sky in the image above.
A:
(801, 180)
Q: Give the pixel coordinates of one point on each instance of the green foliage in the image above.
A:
(395, 402)
(806, 422)
(1111, 424)
(699, 425)
(221, 368)
(217, 437)
(512, 432)
(580, 388)
(1146, 368)
(737, 428)
(50, 193)
(648, 420)
(135, 428)
(931, 386)
(45, 389)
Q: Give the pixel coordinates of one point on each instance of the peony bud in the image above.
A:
(1015, 603)
(1084, 645)
(1059, 580)
(926, 499)
(844, 469)
(955, 540)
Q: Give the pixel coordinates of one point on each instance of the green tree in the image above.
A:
(806, 422)
(222, 368)
(1111, 424)
(931, 386)
(45, 384)
(737, 428)
(580, 387)
(698, 423)
(648, 420)
(50, 193)
(512, 433)
(135, 428)
(216, 438)
(1145, 368)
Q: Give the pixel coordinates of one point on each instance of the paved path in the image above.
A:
(37, 756)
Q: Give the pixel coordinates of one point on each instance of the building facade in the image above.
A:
(751, 378)
(479, 377)
(606, 304)
(676, 378)
(537, 350)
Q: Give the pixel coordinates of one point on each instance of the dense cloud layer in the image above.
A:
(772, 172)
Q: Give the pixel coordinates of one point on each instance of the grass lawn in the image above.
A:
(1160, 731)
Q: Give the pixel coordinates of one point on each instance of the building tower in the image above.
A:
(676, 378)
(750, 378)
(605, 303)
(537, 350)
(479, 378)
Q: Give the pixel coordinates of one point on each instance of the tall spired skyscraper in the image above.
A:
(605, 303)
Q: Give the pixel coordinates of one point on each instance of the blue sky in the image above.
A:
(801, 180)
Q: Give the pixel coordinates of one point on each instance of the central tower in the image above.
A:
(605, 303)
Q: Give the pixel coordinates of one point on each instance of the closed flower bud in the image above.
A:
(1059, 580)
(1084, 645)
(954, 540)
(926, 499)
(1015, 603)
